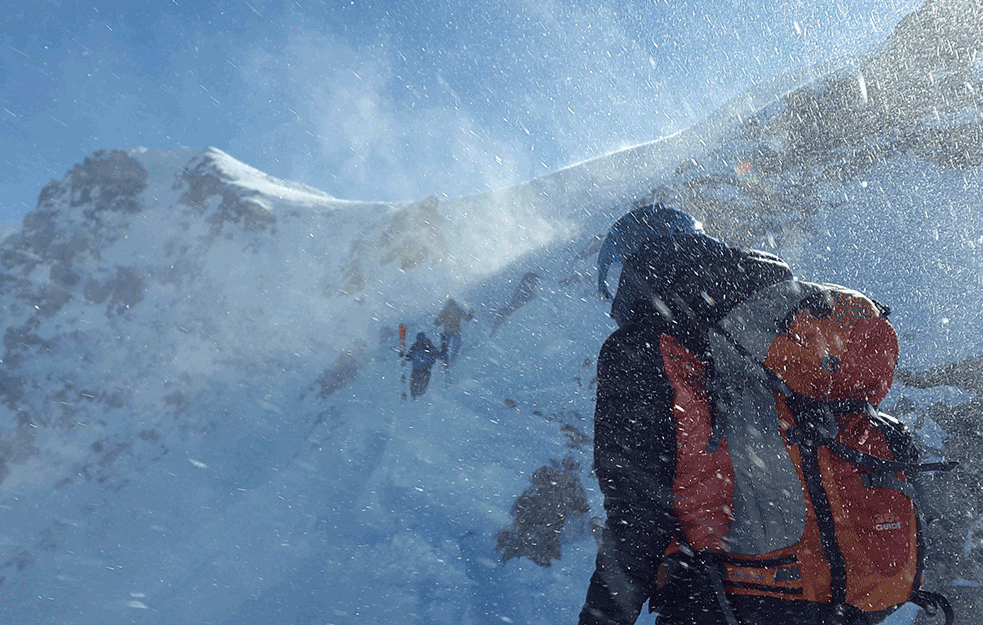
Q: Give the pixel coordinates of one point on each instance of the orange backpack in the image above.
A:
(788, 479)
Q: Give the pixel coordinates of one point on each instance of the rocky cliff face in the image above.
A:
(919, 95)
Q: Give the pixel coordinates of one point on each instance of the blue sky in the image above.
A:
(376, 100)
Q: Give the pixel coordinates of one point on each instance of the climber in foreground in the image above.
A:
(748, 477)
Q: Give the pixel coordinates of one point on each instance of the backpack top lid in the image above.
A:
(839, 347)
(824, 341)
(642, 224)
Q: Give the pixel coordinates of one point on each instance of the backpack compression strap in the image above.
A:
(806, 432)
(932, 601)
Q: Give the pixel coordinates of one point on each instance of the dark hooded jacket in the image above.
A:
(676, 285)
(422, 354)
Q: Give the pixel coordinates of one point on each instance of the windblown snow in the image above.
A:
(200, 389)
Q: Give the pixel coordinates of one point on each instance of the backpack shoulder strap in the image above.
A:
(742, 393)
(741, 340)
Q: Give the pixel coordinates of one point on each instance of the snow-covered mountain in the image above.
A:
(201, 418)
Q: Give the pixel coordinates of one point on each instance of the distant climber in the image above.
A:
(422, 355)
(646, 223)
(450, 339)
(525, 292)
